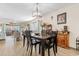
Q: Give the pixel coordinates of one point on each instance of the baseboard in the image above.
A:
(72, 48)
(69, 48)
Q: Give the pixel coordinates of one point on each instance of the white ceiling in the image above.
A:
(23, 11)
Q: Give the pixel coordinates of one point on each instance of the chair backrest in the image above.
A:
(54, 37)
(54, 33)
(28, 35)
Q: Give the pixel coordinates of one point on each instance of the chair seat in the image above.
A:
(50, 46)
(35, 41)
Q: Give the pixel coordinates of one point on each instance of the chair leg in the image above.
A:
(31, 50)
(54, 50)
(48, 51)
(27, 45)
(35, 49)
(56, 45)
(39, 48)
(23, 41)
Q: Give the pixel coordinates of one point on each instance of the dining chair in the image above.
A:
(77, 43)
(52, 43)
(32, 42)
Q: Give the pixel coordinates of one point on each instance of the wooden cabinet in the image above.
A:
(63, 39)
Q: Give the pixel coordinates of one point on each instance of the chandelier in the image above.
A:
(36, 13)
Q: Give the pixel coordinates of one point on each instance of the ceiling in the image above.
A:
(23, 11)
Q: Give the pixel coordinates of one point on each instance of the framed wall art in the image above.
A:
(61, 18)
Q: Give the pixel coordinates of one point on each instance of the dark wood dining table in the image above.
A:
(43, 40)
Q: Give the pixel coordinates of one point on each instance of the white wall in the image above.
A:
(72, 21)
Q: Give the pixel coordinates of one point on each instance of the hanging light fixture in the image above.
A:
(36, 13)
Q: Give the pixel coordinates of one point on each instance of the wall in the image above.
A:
(72, 21)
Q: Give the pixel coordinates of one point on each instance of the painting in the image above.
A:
(61, 18)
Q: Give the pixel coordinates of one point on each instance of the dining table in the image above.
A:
(43, 39)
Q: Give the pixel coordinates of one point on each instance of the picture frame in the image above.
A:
(61, 18)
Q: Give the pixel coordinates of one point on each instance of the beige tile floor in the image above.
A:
(18, 50)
